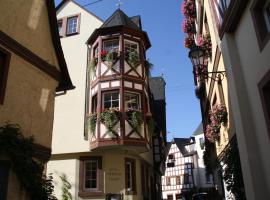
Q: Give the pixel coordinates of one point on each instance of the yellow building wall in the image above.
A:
(27, 23)
(113, 172)
(29, 100)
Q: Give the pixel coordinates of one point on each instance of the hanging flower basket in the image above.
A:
(188, 8)
(189, 41)
(219, 114)
(188, 26)
(212, 133)
(135, 118)
(206, 43)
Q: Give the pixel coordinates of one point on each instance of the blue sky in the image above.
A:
(162, 19)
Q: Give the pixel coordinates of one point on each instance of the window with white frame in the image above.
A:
(72, 25)
(131, 46)
(111, 45)
(111, 100)
(90, 180)
(90, 174)
(132, 101)
(130, 176)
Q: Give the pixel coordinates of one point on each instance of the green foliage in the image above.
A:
(111, 57)
(151, 126)
(109, 118)
(135, 118)
(92, 121)
(148, 67)
(28, 170)
(232, 173)
(66, 186)
(92, 65)
(133, 59)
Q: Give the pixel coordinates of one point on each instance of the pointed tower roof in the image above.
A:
(120, 22)
(119, 18)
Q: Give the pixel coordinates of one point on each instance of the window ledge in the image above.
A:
(85, 194)
(131, 193)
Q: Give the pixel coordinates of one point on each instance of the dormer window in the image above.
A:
(68, 26)
(72, 25)
(111, 45)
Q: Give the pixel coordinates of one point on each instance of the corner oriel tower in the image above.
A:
(119, 109)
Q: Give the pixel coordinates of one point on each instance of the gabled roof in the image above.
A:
(64, 1)
(119, 18)
(181, 143)
(65, 81)
(199, 130)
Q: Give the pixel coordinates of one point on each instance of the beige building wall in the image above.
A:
(29, 100)
(68, 130)
(246, 66)
(30, 21)
(113, 173)
(29, 97)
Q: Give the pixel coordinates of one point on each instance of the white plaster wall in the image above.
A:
(246, 66)
(70, 108)
(68, 167)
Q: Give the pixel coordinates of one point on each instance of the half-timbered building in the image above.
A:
(112, 157)
(178, 181)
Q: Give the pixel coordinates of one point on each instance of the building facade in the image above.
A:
(248, 79)
(106, 151)
(203, 180)
(185, 173)
(178, 180)
(240, 30)
(31, 71)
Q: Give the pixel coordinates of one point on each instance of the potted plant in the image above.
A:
(188, 26)
(206, 43)
(110, 117)
(188, 8)
(219, 114)
(212, 133)
(189, 41)
(135, 118)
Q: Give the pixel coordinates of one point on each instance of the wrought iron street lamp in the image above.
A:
(198, 59)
